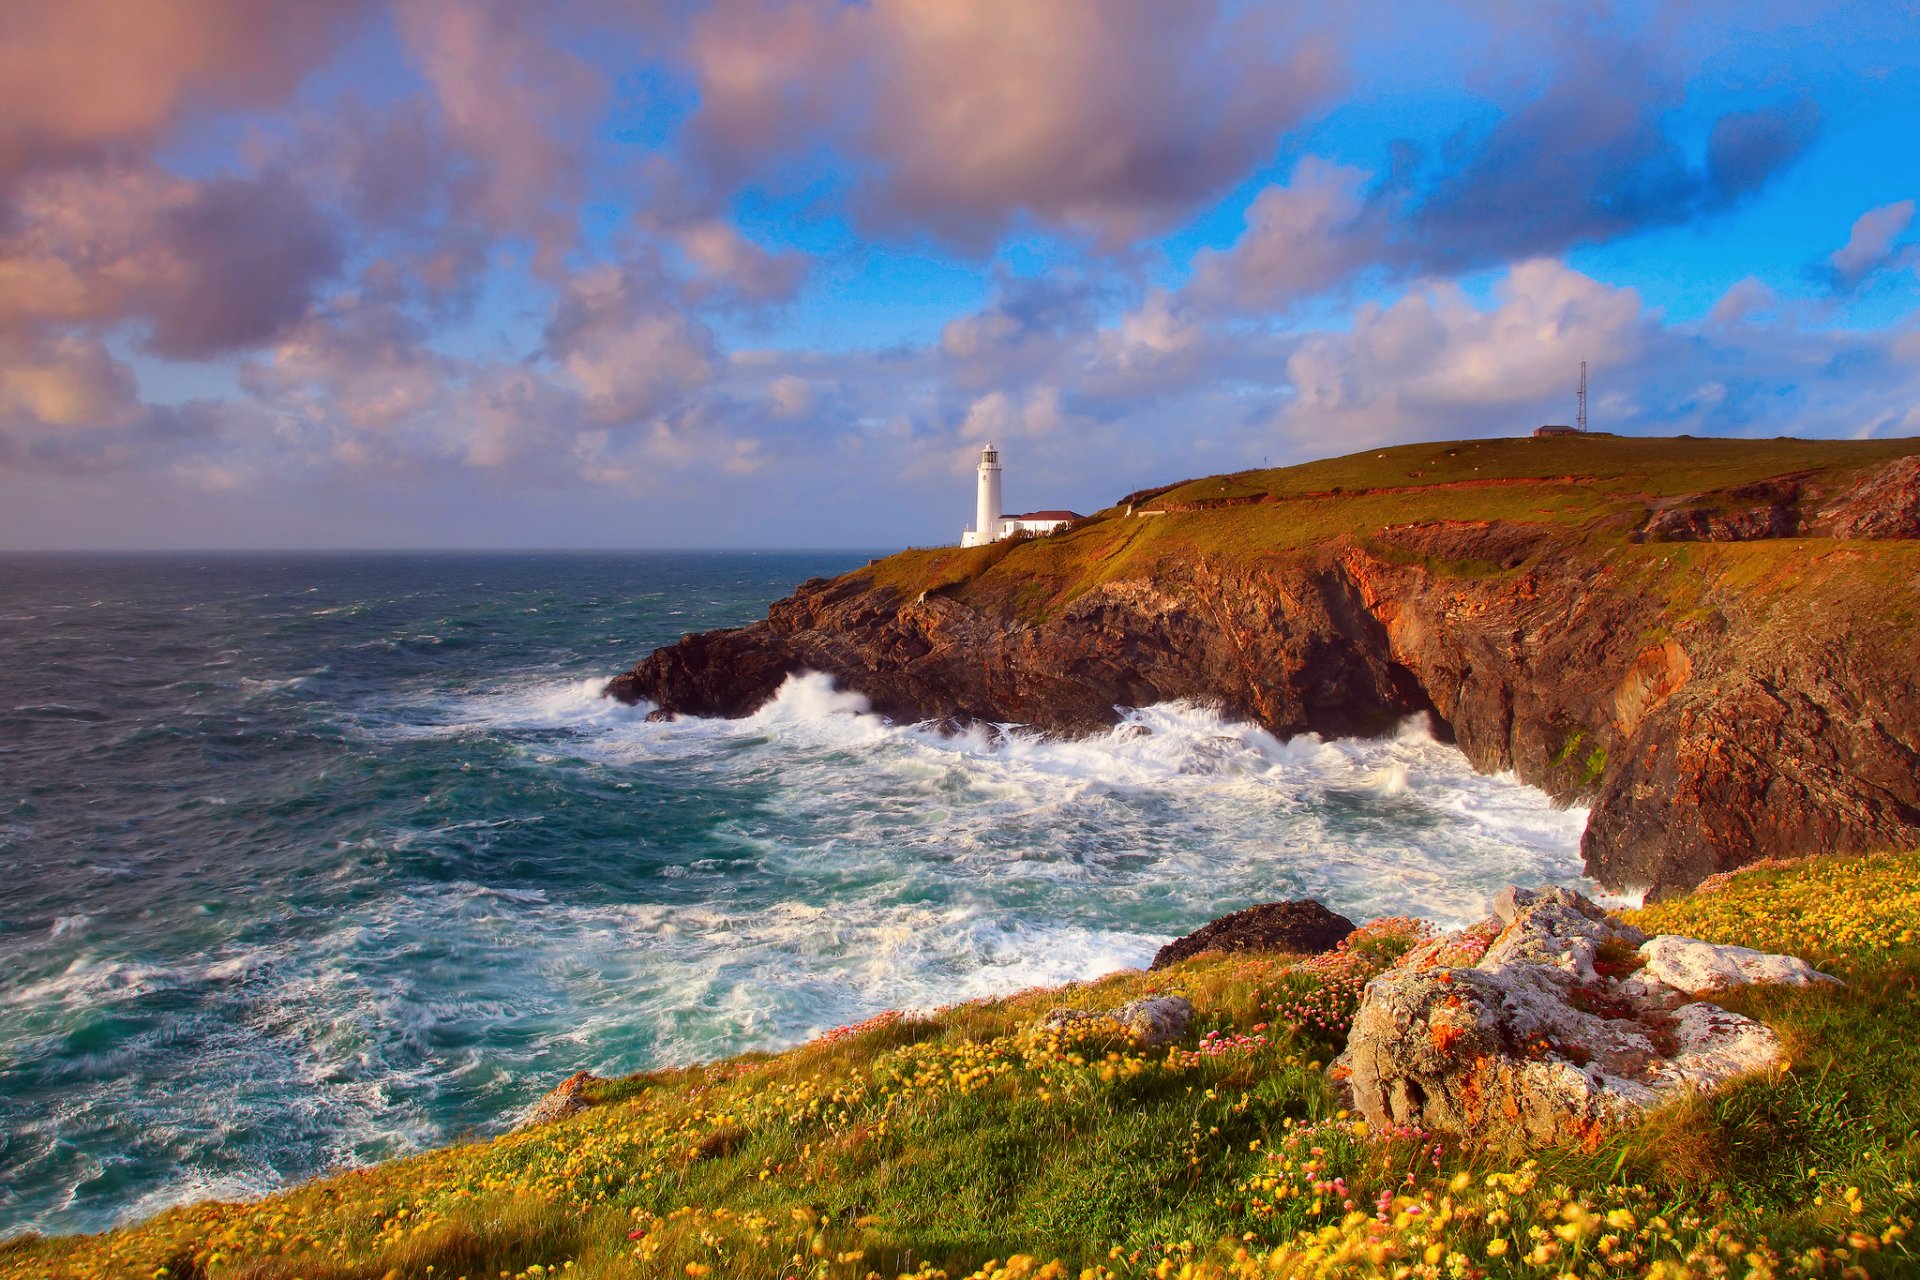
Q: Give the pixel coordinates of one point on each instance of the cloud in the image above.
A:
(1872, 244)
(1027, 328)
(81, 80)
(1301, 238)
(1588, 159)
(625, 345)
(1745, 299)
(962, 118)
(358, 365)
(65, 382)
(205, 268)
(517, 105)
(790, 396)
(731, 270)
(1434, 363)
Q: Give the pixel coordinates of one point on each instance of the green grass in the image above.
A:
(1590, 493)
(973, 1142)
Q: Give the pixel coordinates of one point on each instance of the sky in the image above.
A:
(768, 273)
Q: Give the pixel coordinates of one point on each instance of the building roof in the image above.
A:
(1048, 515)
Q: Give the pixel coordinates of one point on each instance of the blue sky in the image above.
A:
(342, 273)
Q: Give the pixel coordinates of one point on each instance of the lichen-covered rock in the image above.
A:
(567, 1098)
(1301, 926)
(1152, 1022)
(1541, 1027)
(1702, 969)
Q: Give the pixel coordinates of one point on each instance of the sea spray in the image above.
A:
(441, 875)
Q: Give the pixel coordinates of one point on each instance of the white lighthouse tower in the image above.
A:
(990, 523)
(986, 521)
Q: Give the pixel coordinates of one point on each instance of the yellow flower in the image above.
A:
(1496, 1247)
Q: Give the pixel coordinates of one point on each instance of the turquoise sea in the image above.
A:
(309, 860)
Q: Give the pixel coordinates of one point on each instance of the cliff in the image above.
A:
(1711, 642)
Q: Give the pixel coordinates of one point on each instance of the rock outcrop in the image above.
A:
(1301, 926)
(567, 1098)
(1712, 706)
(1552, 1023)
(1149, 1023)
(1884, 505)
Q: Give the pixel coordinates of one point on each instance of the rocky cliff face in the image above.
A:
(1714, 705)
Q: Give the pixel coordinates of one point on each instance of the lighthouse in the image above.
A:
(990, 524)
(986, 520)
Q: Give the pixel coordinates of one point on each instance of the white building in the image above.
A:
(990, 524)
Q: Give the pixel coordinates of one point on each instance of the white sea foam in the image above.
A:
(844, 865)
(923, 867)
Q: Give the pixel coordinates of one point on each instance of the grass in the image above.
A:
(974, 1141)
(1590, 492)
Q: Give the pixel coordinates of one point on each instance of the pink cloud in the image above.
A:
(1871, 245)
(205, 267)
(80, 79)
(1301, 238)
(66, 382)
(1109, 117)
(626, 346)
(517, 104)
(1434, 363)
(731, 269)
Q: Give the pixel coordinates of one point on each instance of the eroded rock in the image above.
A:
(567, 1098)
(1884, 505)
(1543, 1026)
(1704, 731)
(1152, 1022)
(1301, 926)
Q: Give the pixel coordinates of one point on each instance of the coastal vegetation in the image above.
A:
(1597, 486)
(1711, 644)
(976, 1141)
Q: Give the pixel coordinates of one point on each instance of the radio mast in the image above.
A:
(1580, 423)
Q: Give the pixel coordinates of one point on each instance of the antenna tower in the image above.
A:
(1581, 421)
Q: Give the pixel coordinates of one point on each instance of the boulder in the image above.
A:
(1699, 968)
(1553, 1023)
(1152, 1022)
(567, 1098)
(1301, 926)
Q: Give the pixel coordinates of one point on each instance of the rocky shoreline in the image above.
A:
(1711, 711)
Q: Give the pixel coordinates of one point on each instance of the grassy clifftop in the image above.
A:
(1598, 488)
(972, 1142)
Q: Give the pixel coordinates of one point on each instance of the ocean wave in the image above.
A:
(626, 893)
(1386, 825)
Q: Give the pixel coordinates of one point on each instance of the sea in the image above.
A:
(307, 861)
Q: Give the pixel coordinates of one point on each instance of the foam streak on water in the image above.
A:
(366, 862)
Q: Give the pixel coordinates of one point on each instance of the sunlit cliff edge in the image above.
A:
(1713, 643)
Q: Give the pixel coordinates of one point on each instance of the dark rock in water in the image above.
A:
(1303, 927)
(567, 1098)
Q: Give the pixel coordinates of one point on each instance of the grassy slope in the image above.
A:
(1597, 487)
(969, 1140)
